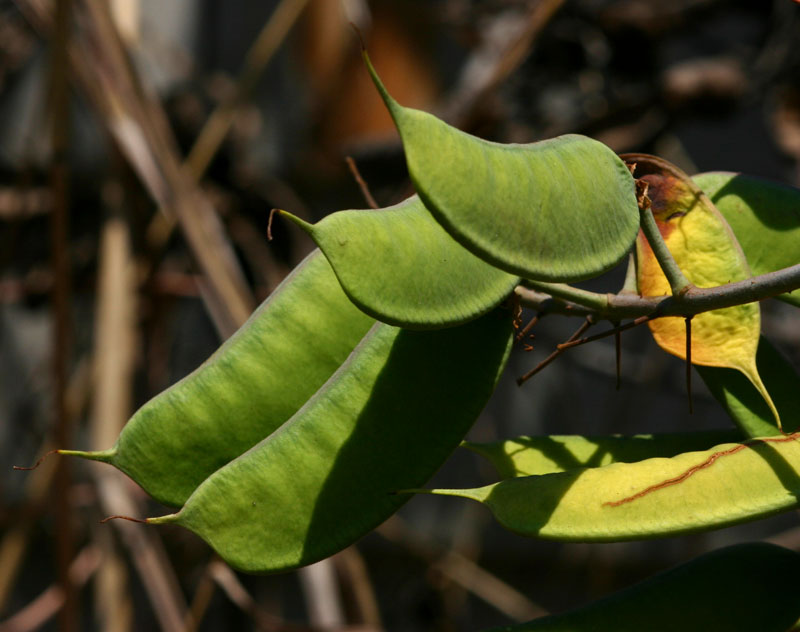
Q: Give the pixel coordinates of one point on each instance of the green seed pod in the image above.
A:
(694, 491)
(252, 384)
(562, 209)
(385, 420)
(400, 266)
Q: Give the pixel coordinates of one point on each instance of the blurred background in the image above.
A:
(142, 146)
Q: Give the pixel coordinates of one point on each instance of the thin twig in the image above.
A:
(37, 486)
(351, 164)
(114, 360)
(351, 565)
(138, 124)
(463, 572)
(689, 362)
(269, 40)
(618, 354)
(558, 351)
(678, 282)
(496, 61)
(51, 600)
(611, 332)
(218, 124)
(59, 177)
(226, 579)
(592, 300)
(531, 324)
(692, 302)
(202, 599)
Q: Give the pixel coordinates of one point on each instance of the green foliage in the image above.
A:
(251, 385)
(559, 210)
(400, 266)
(764, 215)
(308, 427)
(387, 419)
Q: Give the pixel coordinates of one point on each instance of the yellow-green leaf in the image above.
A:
(764, 215)
(706, 250)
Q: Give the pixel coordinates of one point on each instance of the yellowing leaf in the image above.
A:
(707, 252)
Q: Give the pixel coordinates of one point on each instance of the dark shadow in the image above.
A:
(431, 389)
(625, 449)
(542, 496)
(786, 473)
(742, 587)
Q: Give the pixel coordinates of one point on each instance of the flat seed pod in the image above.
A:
(742, 587)
(385, 420)
(764, 215)
(529, 456)
(559, 210)
(694, 491)
(743, 401)
(706, 250)
(253, 383)
(400, 266)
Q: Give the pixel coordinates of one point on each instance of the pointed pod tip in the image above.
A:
(479, 494)
(167, 519)
(411, 491)
(388, 100)
(104, 456)
(306, 226)
(358, 35)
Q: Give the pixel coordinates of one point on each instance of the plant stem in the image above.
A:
(630, 285)
(678, 283)
(692, 301)
(593, 300)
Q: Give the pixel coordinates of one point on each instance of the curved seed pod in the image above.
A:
(529, 456)
(694, 491)
(386, 419)
(765, 217)
(559, 210)
(253, 383)
(400, 266)
(706, 250)
(743, 401)
(741, 587)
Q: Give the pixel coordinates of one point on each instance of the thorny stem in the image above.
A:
(689, 362)
(531, 323)
(592, 300)
(559, 350)
(692, 302)
(678, 283)
(618, 355)
(576, 342)
(362, 184)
